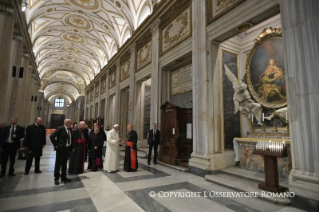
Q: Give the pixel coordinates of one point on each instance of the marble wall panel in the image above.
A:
(147, 111)
(183, 100)
(231, 120)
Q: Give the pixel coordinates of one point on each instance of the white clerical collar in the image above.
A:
(35, 124)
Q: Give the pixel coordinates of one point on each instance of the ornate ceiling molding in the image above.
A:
(81, 36)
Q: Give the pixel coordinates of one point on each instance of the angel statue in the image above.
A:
(242, 99)
(281, 113)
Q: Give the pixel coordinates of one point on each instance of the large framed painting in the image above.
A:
(265, 74)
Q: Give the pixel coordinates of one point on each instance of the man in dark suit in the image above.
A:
(35, 140)
(154, 137)
(62, 140)
(9, 144)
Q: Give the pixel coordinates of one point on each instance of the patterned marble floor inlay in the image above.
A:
(121, 191)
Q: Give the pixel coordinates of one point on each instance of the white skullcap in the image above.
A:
(116, 125)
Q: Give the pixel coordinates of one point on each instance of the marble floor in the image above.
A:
(122, 191)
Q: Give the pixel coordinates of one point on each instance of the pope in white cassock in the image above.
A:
(112, 161)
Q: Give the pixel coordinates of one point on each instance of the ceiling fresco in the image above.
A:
(74, 39)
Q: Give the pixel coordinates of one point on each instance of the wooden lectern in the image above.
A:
(176, 134)
(271, 170)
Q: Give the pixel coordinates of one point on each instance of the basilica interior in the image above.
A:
(231, 84)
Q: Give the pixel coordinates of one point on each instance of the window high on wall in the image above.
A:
(59, 103)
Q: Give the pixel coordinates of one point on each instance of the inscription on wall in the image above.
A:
(182, 80)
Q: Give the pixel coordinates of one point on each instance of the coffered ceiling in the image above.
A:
(74, 39)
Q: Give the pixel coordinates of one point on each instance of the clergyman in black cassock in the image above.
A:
(35, 140)
(130, 160)
(96, 141)
(62, 142)
(154, 137)
(77, 158)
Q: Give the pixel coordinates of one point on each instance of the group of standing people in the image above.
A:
(34, 140)
(74, 144)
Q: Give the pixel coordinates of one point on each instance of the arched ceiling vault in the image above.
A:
(74, 39)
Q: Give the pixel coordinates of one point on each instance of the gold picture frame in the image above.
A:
(265, 74)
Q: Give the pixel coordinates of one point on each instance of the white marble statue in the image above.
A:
(242, 99)
(281, 113)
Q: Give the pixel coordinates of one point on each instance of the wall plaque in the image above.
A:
(182, 80)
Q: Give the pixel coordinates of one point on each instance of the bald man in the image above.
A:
(62, 141)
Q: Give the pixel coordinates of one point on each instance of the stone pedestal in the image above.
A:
(300, 26)
(6, 33)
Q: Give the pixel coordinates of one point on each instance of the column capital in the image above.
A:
(6, 10)
(155, 25)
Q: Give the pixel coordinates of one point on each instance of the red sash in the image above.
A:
(133, 154)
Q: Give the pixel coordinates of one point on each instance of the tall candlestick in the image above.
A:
(263, 117)
(252, 117)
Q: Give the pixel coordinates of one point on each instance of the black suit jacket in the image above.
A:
(35, 138)
(157, 137)
(60, 137)
(6, 133)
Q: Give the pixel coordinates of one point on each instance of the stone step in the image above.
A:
(251, 175)
(179, 168)
(244, 185)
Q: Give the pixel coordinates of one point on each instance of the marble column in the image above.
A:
(50, 110)
(107, 100)
(99, 100)
(34, 103)
(131, 106)
(200, 162)
(73, 112)
(85, 105)
(13, 82)
(29, 93)
(21, 107)
(155, 88)
(6, 32)
(117, 94)
(44, 115)
(300, 28)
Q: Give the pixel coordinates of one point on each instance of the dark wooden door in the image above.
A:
(56, 120)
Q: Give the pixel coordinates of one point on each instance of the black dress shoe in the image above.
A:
(26, 173)
(148, 163)
(65, 180)
(38, 172)
(12, 174)
(155, 162)
(56, 182)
